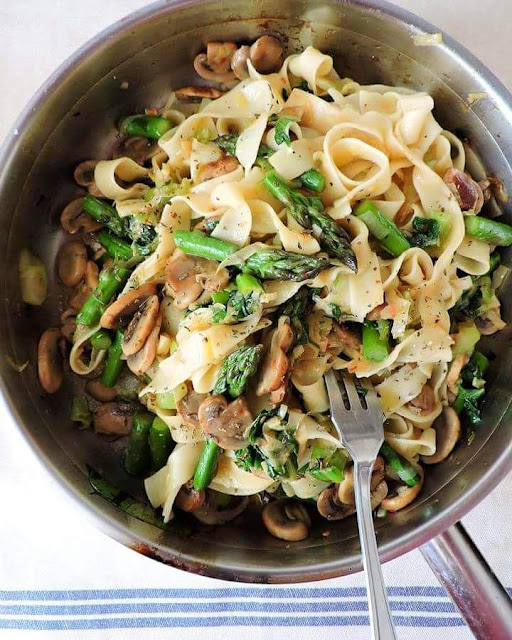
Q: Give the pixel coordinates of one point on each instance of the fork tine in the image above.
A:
(334, 391)
(372, 399)
(353, 396)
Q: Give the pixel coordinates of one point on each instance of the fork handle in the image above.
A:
(381, 623)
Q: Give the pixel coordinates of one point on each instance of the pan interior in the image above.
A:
(136, 68)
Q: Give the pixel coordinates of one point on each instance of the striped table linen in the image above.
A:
(60, 577)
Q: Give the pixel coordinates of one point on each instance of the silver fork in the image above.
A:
(361, 433)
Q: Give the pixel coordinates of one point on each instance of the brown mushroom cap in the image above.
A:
(188, 407)
(330, 507)
(181, 273)
(226, 423)
(190, 499)
(404, 496)
(82, 291)
(97, 390)
(49, 360)
(425, 401)
(143, 359)
(141, 325)
(73, 218)
(113, 418)
(275, 363)
(196, 94)
(126, 305)
(287, 519)
(378, 494)
(84, 173)
(467, 192)
(447, 428)
(266, 54)
(72, 262)
(489, 322)
(239, 62)
(219, 508)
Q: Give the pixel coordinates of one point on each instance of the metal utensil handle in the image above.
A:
(381, 622)
(472, 585)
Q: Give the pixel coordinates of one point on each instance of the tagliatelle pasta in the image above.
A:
(296, 223)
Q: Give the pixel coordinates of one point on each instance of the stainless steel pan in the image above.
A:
(73, 117)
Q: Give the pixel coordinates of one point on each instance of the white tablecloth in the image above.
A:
(59, 574)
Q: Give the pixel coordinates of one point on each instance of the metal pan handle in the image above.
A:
(472, 585)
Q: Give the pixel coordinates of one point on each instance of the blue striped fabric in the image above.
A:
(90, 609)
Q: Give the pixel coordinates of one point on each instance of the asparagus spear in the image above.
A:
(101, 339)
(375, 340)
(207, 465)
(152, 127)
(313, 180)
(101, 211)
(333, 238)
(400, 465)
(271, 264)
(110, 282)
(385, 230)
(236, 370)
(137, 458)
(116, 247)
(491, 231)
(114, 364)
(160, 443)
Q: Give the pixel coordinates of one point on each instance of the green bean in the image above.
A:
(383, 229)
(137, 458)
(160, 443)
(152, 127)
(101, 339)
(313, 180)
(491, 231)
(114, 364)
(116, 247)
(402, 467)
(203, 246)
(375, 340)
(110, 282)
(207, 465)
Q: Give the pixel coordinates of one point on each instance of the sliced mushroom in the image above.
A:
(490, 322)
(188, 406)
(143, 359)
(219, 508)
(425, 401)
(266, 54)
(206, 71)
(190, 499)
(187, 276)
(346, 486)
(239, 62)
(113, 418)
(219, 54)
(97, 390)
(447, 428)
(220, 167)
(139, 149)
(378, 494)
(454, 373)
(68, 319)
(467, 192)
(287, 520)
(196, 94)
(73, 218)
(226, 423)
(404, 496)
(330, 507)
(49, 360)
(84, 173)
(126, 305)
(343, 339)
(275, 362)
(141, 325)
(72, 262)
(82, 291)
